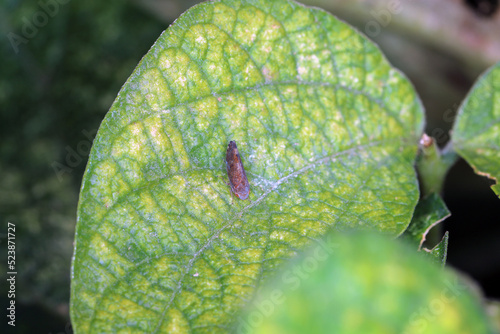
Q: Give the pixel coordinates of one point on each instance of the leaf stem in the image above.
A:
(433, 164)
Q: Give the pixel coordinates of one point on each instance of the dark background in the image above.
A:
(57, 87)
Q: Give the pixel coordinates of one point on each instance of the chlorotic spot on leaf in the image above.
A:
(327, 131)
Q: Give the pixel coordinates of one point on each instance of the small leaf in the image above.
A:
(364, 283)
(429, 212)
(440, 252)
(327, 131)
(476, 133)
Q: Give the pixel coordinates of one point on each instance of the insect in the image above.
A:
(236, 173)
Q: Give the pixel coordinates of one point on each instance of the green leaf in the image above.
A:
(327, 131)
(440, 252)
(364, 283)
(429, 212)
(476, 133)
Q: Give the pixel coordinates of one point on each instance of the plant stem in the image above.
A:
(433, 165)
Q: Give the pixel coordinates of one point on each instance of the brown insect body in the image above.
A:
(236, 173)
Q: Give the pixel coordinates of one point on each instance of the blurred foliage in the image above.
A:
(60, 83)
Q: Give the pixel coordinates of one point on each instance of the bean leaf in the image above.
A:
(476, 133)
(327, 131)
